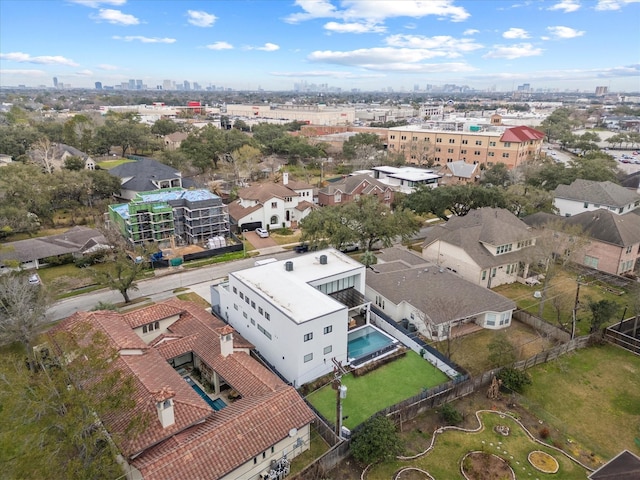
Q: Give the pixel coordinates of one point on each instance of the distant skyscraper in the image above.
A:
(55, 82)
(167, 85)
(187, 85)
(601, 91)
(98, 85)
(132, 84)
(138, 84)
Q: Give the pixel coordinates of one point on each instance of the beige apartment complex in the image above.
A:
(311, 114)
(511, 146)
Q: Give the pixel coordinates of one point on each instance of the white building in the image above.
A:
(406, 179)
(296, 312)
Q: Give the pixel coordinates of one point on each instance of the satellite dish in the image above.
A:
(292, 432)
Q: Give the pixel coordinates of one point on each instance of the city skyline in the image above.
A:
(355, 44)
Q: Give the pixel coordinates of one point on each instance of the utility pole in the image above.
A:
(341, 393)
(575, 309)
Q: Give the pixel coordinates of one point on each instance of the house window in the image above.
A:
(246, 299)
(267, 316)
(253, 322)
(144, 329)
(308, 357)
(438, 149)
(493, 272)
(507, 144)
(476, 152)
(463, 152)
(253, 304)
(478, 142)
(328, 329)
(264, 332)
(274, 204)
(484, 275)
(465, 142)
(491, 154)
(235, 307)
(629, 249)
(327, 349)
(505, 155)
(244, 314)
(337, 198)
(273, 220)
(449, 150)
(452, 140)
(492, 144)
(403, 137)
(504, 249)
(308, 336)
(491, 319)
(393, 137)
(242, 295)
(260, 310)
(235, 290)
(438, 140)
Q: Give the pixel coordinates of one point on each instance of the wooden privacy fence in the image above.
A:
(625, 334)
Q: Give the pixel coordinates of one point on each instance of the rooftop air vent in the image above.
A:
(323, 259)
(288, 266)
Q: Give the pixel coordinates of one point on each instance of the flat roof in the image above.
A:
(292, 291)
(408, 173)
(170, 194)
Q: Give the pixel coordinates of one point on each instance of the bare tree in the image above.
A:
(23, 309)
(43, 153)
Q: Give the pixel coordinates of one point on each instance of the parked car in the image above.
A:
(302, 248)
(349, 247)
(34, 279)
(262, 233)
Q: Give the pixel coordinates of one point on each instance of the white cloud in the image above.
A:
(27, 73)
(376, 11)
(43, 59)
(567, 6)
(84, 73)
(441, 44)
(267, 47)
(470, 31)
(115, 16)
(140, 38)
(569, 75)
(200, 18)
(220, 46)
(328, 73)
(613, 4)
(106, 66)
(516, 33)
(354, 27)
(564, 32)
(511, 52)
(97, 3)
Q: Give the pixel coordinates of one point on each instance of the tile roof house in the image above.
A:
(188, 435)
(351, 188)
(454, 173)
(77, 241)
(272, 205)
(437, 301)
(146, 174)
(614, 240)
(583, 195)
(486, 246)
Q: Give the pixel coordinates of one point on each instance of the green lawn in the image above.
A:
(593, 396)
(386, 386)
(108, 164)
(443, 462)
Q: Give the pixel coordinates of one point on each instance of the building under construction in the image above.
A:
(187, 217)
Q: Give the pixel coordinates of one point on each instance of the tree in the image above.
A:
(497, 175)
(501, 351)
(73, 163)
(26, 187)
(121, 274)
(457, 199)
(123, 130)
(523, 200)
(353, 144)
(22, 310)
(514, 380)
(164, 126)
(450, 415)
(601, 312)
(376, 441)
(49, 415)
(44, 154)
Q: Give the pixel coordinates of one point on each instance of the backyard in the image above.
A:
(396, 381)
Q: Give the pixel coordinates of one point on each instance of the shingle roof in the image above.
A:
(263, 192)
(350, 183)
(442, 295)
(624, 466)
(492, 226)
(142, 171)
(602, 225)
(601, 193)
(202, 443)
(74, 240)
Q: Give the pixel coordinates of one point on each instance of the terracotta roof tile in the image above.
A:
(153, 313)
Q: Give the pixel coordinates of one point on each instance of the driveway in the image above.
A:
(258, 242)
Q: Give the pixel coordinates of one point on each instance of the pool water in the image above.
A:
(366, 340)
(217, 404)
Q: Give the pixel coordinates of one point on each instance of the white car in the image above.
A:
(262, 233)
(34, 279)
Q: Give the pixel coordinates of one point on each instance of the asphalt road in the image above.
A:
(159, 288)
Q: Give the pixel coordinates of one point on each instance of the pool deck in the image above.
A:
(224, 395)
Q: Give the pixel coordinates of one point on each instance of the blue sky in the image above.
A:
(365, 44)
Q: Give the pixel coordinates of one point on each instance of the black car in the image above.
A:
(302, 248)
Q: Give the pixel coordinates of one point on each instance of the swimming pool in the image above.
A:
(368, 342)
(217, 404)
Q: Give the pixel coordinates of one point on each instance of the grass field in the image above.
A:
(593, 396)
(108, 164)
(378, 389)
(443, 462)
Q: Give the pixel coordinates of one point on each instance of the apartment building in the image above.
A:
(187, 216)
(511, 146)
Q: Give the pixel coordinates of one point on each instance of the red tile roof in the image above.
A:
(202, 443)
(521, 134)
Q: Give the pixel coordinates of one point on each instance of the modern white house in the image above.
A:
(296, 312)
(587, 195)
(272, 205)
(406, 179)
(488, 246)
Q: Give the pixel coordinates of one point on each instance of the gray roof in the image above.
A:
(492, 226)
(75, 240)
(600, 224)
(440, 294)
(631, 181)
(624, 466)
(142, 171)
(462, 169)
(601, 193)
(349, 183)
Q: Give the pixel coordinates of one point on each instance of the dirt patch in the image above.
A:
(180, 251)
(486, 466)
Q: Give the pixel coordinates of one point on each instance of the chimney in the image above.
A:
(164, 406)
(225, 335)
(285, 178)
